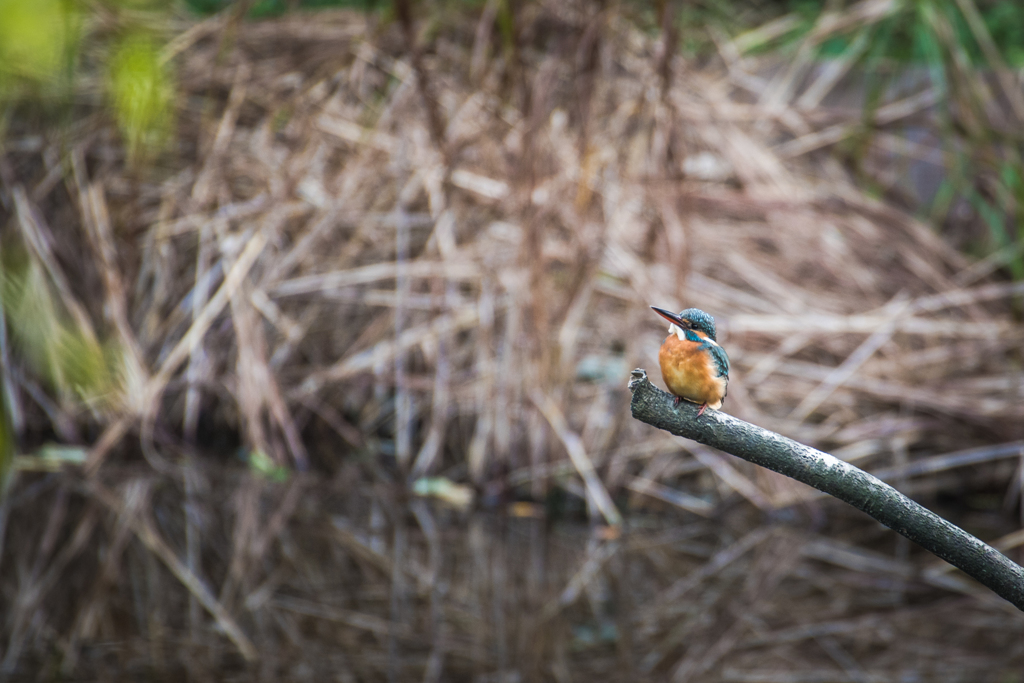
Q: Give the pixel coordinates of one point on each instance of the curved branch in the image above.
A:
(835, 477)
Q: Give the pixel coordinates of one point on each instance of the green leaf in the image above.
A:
(72, 361)
(142, 91)
(261, 464)
(34, 38)
(6, 448)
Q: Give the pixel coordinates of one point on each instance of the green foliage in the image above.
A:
(70, 359)
(959, 45)
(272, 8)
(36, 40)
(1005, 21)
(141, 91)
(506, 28)
(261, 464)
(1000, 210)
(6, 448)
(914, 23)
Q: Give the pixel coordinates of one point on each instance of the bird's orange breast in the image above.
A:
(690, 372)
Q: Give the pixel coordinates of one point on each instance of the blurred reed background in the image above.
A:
(317, 325)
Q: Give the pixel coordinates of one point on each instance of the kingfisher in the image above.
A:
(693, 365)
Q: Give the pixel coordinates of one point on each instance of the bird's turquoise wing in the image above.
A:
(721, 360)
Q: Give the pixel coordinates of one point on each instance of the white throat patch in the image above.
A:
(678, 331)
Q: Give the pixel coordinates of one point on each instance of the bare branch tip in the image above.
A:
(637, 377)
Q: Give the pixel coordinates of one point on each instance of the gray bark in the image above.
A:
(835, 477)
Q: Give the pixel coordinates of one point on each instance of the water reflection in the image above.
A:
(355, 581)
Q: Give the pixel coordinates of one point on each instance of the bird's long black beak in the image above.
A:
(668, 315)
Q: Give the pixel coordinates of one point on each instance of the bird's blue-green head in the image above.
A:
(690, 319)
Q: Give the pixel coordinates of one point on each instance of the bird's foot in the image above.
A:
(702, 409)
(677, 401)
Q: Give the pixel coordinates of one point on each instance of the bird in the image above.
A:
(695, 368)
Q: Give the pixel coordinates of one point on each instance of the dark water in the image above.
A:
(353, 580)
